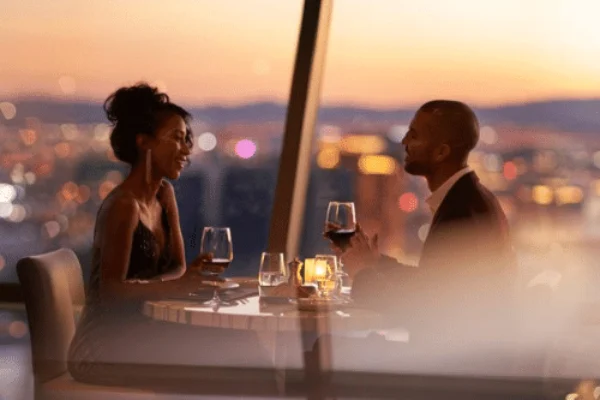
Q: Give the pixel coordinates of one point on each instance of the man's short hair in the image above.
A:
(457, 122)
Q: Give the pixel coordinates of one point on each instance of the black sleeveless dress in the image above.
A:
(147, 261)
(115, 344)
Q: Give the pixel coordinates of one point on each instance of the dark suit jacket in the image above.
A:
(465, 274)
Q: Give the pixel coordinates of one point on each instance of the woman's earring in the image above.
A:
(148, 165)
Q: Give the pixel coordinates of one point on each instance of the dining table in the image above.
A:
(286, 329)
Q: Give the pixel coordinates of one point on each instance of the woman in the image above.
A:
(138, 254)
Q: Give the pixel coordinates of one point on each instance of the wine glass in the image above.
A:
(273, 272)
(217, 247)
(326, 274)
(340, 226)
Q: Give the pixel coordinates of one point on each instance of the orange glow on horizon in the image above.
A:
(383, 53)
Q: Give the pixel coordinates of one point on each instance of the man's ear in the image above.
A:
(442, 153)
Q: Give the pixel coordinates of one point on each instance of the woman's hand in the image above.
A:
(202, 263)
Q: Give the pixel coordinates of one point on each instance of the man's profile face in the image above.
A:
(420, 144)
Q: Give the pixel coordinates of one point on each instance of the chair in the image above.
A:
(53, 289)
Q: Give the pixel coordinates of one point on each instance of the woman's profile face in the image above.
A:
(169, 149)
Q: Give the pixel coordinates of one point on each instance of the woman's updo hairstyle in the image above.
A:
(139, 109)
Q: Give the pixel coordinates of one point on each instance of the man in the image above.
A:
(463, 282)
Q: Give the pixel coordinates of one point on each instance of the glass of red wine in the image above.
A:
(217, 249)
(340, 226)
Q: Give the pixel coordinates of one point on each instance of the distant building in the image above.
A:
(246, 204)
(325, 185)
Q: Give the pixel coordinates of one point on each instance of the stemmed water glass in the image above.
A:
(273, 272)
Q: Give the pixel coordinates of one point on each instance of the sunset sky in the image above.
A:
(381, 53)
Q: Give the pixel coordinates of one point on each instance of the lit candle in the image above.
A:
(320, 269)
(309, 271)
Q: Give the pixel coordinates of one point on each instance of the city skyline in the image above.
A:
(383, 54)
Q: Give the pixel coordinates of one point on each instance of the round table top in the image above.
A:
(254, 314)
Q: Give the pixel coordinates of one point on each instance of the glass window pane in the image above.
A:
(532, 86)
(228, 62)
(529, 69)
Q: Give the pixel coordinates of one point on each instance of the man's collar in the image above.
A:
(437, 197)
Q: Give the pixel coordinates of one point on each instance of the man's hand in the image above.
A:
(362, 253)
(331, 227)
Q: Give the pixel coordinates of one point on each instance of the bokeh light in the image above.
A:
(245, 148)
(488, 135)
(28, 136)
(5, 210)
(16, 175)
(43, 169)
(510, 170)
(18, 214)
(569, 195)
(542, 195)
(30, 177)
(328, 158)
(363, 144)
(7, 193)
(492, 162)
(52, 229)
(69, 191)
(69, 131)
(83, 194)
(207, 141)
(376, 165)
(8, 110)
(17, 329)
(62, 150)
(408, 202)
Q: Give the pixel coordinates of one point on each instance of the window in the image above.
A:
(528, 71)
(230, 63)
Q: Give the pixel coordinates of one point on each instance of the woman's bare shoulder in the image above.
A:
(119, 204)
(166, 190)
(166, 195)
